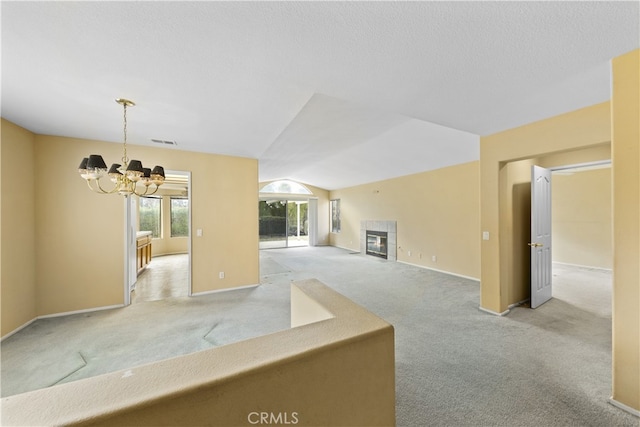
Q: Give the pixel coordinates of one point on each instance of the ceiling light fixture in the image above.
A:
(125, 176)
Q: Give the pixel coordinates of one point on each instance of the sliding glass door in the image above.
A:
(283, 223)
(273, 223)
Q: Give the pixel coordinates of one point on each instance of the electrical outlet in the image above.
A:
(434, 258)
(409, 253)
(221, 275)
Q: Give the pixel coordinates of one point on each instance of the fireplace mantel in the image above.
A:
(390, 227)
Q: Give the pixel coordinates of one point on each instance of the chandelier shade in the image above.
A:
(96, 162)
(114, 169)
(124, 176)
(135, 166)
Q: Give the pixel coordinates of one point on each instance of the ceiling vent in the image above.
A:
(165, 142)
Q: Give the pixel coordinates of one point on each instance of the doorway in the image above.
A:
(158, 249)
(583, 247)
(581, 221)
(581, 215)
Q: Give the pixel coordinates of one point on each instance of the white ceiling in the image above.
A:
(331, 94)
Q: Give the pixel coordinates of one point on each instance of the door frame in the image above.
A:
(553, 169)
(130, 270)
(580, 165)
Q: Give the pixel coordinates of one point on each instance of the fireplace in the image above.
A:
(377, 243)
(379, 238)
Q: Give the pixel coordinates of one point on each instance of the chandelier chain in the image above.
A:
(124, 177)
(125, 159)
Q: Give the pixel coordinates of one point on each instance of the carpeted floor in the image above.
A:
(455, 365)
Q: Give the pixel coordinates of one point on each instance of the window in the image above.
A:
(179, 217)
(285, 187)
(149, 213)
(335, 216)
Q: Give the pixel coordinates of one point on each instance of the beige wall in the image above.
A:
(515, 213)
(323, 213)
(436, 214)
(581, 226)
(79, 240)
(626, 225)
(17, 219)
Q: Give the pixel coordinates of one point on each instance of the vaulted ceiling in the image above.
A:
(331, 94)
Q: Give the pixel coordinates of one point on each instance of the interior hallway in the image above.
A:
(165, 277)
(455, 365)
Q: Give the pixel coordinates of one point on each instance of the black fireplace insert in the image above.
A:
(377, 243)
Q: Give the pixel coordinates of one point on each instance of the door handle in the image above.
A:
(535, 245)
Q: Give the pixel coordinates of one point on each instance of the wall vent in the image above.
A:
(162, 141)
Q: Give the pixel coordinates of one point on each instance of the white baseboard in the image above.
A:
(66, 313)
(347, 249)
(169, 253)
(589, 267)
(624, 407)
(18, 329)
(215, 291)
(109, 307)
(86, 310)
(495, 313)
(518, 304)
(475, 279)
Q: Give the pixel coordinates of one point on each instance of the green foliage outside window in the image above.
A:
(273, 219)
(149, 213)
(292, 218)
(179, 217)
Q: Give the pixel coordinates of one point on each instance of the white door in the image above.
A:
(540, 236)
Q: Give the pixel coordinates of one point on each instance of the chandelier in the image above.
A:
(124, 177)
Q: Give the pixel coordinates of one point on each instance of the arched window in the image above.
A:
(285, 187)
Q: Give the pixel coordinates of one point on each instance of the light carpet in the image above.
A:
(455, 365)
